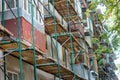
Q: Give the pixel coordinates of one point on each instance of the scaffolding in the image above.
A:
(56, 30)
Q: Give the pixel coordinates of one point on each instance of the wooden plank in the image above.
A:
(1, 61)
(12, 45)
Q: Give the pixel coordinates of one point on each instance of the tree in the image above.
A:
(111, 15)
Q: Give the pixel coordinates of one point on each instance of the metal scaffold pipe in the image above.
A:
(33, 40)
(55, 31)
(19, 39)
(3, 26)
(89, 25)
(71, 44)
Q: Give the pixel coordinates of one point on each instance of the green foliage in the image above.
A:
(93, 5)
(101, 17)
(88, 12)
(102, 49)
(101, 61)
(104, 36)
(95, 41)
(112, 10)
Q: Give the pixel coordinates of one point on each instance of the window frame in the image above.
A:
(13, 73)
(15, 3)
(25, 7)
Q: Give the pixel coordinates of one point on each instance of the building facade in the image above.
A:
(47, 16)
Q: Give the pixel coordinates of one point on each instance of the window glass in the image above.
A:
(29, 7)
(37, 14)
(25, 4)
(15, 77)
(10, 76)
(16, 2)
(11, 4)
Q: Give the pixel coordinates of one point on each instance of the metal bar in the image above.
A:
(5, 68)
(48, 7)
(83, 72)
(52, 47)
(3, 26)
(46, 64)
(61, 34)
(3, 12)
(6, 42)
(17, 50)
(33, 40)
(91, 42)
(65, 57)
(65, 41)
(55, 29)
(19, 39)
(4, 73)
(71, 46)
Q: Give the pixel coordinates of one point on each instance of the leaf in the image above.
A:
(95, 40)
(93, 5)
(101, 62)
(101, 17)
(88, 12)
(104, 36)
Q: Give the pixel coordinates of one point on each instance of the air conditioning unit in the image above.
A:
(87, 32)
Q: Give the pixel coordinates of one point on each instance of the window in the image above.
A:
(12, 76)
(29, 7)
(11, 3)
(40, 19)
(37, 14)
(25, 4)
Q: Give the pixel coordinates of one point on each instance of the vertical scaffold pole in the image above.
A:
(2, 21)
(55, 29)
(71, 45)
(81, 53)
(82, 66)
(5, 68)
(19, 39)
(91, 41)
(52, 47)
(33, 39)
